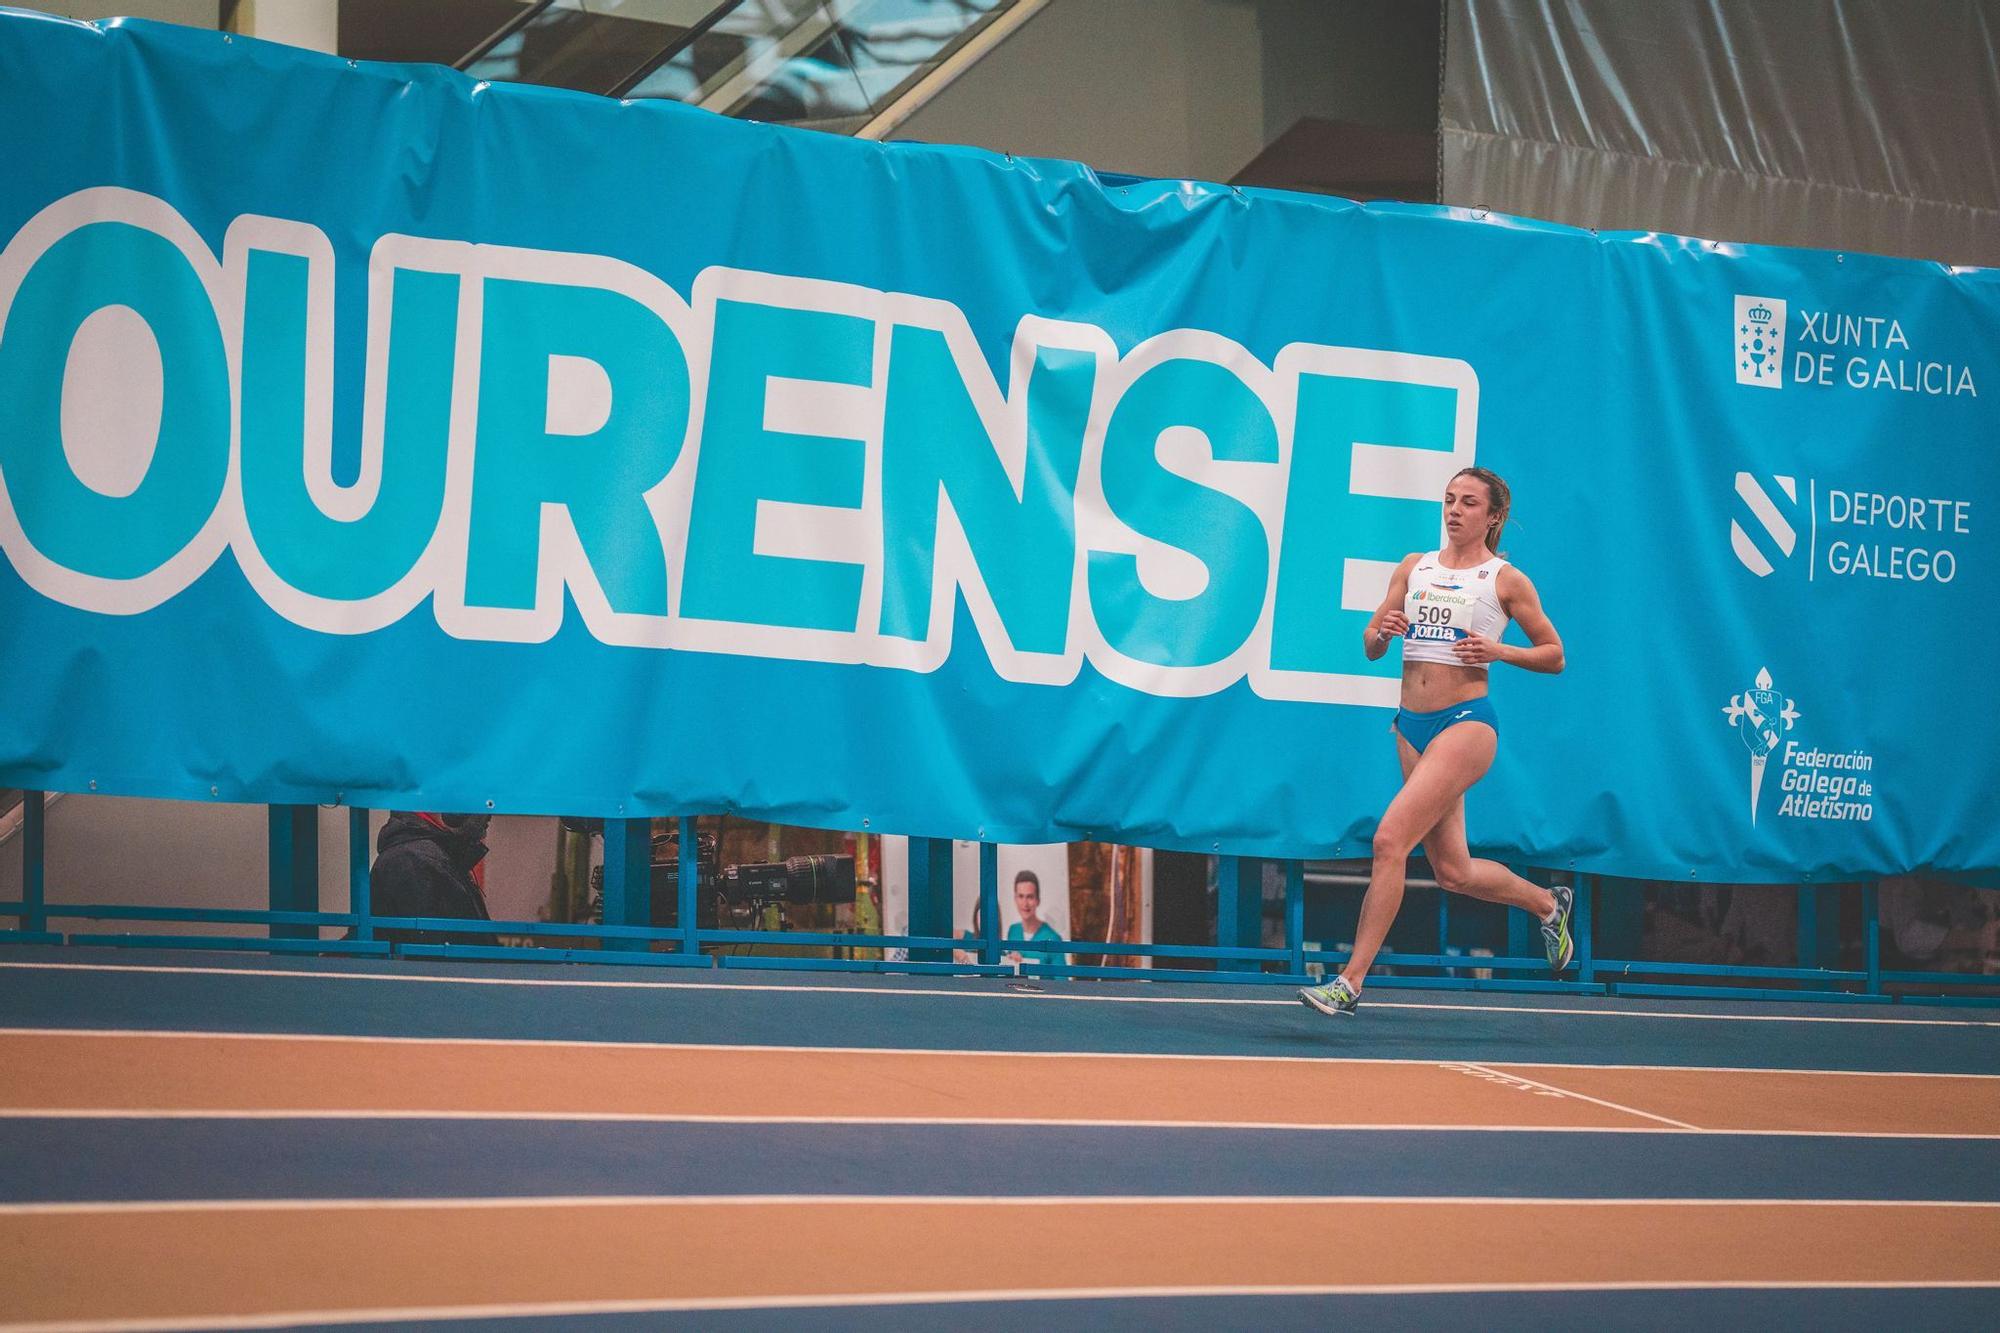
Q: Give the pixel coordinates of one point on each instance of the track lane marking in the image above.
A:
(142, 1071)
(935, 991)
(398, 1203)
(217, 1261)
(135, 1072)
(192, 1034)
(1586, 1097)
(895, 1121)
(863, 1300)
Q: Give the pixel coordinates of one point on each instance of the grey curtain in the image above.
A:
(1839, 124)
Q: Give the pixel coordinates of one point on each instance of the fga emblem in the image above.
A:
(1760, 341)
(1770, 516)
(1761, 716)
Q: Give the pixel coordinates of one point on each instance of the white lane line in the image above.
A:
(1034, 1122)
(1585, 1097)
(501, 1202)
(863, 1300)
(564, 1043)
(426, 978)
(900, 1121)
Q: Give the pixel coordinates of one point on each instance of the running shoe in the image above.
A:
(1336, 997)
(1556, 941)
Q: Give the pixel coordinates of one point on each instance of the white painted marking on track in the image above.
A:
(482, 1202)
(934, 991)
(864, 1300)
(1485, 1075)
(1585, 1097)
(977, 1122)
(1332, 1061)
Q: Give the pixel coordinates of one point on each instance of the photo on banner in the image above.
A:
(1088, 891)
(1033, 896)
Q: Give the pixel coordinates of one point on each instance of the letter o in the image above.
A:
(98, 265)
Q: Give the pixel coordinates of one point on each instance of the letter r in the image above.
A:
(535, 454)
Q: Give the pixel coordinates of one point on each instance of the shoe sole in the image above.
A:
(1335, 1012)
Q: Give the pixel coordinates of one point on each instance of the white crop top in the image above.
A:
(1445, 605)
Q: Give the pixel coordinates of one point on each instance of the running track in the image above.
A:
(201, 1141)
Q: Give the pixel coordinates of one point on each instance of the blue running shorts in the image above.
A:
(1420, 729)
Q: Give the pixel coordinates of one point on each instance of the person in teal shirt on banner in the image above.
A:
(1031, 927)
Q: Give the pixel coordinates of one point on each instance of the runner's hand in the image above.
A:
(1476, 648)
(1394, 626)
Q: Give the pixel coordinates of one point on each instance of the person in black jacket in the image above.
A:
(430, 864)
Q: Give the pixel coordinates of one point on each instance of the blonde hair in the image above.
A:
(1499, 498)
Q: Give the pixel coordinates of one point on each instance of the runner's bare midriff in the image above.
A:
(1429, 686)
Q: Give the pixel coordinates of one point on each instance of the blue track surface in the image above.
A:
(1664, 1311)
(59, 1159)
(603, 1003)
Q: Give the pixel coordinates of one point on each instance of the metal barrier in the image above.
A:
(294, 920)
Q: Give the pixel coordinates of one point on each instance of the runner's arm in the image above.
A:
(1519, 599)
(1388, 622)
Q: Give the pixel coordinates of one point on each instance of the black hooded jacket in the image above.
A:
(423, 870)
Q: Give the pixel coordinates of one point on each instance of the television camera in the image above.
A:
(740, 895)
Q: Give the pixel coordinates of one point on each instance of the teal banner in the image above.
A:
(369, 434)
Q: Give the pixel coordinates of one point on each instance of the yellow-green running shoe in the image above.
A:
(1556, 941)
(1336, 997)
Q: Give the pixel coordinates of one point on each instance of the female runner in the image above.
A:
(1449, 607)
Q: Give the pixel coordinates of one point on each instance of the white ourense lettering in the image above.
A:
(51, 578)
(852, 536)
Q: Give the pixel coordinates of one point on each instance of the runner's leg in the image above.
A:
(1456, 759)
(1458, 871)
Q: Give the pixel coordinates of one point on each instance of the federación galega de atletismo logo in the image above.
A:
(1761, 716)
(1760, 341)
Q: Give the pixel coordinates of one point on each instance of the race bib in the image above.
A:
(1439, 615)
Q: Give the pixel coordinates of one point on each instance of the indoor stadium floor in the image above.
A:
(203, 1140)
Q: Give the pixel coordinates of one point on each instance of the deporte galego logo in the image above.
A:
(1771, 515)
(1901, 535)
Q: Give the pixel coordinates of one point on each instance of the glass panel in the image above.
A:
(894, 41)
(826, 62)
(440, 34)
(723, 50)
(592, 45)
(677, 13)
